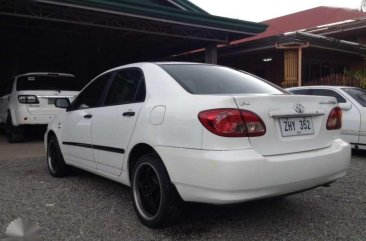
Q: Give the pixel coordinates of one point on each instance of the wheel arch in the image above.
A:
(50, 134)
(136, 152)
(10, 112)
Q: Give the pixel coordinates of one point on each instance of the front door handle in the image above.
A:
(88, 116)
(128, 113)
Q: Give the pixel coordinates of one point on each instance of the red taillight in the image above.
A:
(334, 121)
(232, 122)
(254, 124)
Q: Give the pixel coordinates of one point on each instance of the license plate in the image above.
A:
(51, 101)
(296, 126)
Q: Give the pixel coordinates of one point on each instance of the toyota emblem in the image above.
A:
(299, 108)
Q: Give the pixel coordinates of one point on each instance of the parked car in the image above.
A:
(197, 133)
(352, 101)
(28, 100)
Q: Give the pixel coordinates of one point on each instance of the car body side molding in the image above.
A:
(103, 148)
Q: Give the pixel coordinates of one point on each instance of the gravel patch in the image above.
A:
(87, 207)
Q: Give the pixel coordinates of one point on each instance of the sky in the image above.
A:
(260, 10)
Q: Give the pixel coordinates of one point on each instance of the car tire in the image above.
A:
(55, 160)
(156, 201)
(13, 134)
(3, 129)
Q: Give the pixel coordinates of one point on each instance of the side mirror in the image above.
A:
(63, 103)
(345, 106)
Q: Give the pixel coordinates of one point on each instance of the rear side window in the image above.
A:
(128, 86)
(358, 94)
(48, 82)
(325, 92)
(300, 92)
(201, 79)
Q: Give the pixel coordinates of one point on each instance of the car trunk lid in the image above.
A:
(293, 123)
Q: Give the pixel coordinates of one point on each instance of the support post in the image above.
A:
(211, 54)
(299, 64)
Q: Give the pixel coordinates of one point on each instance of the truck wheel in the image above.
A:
(13, 133)
(155, 199)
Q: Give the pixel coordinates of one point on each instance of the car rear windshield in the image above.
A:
(49, 82)
(202, 79)
(358, 94)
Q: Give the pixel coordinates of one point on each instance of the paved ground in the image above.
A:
(31, 148)
(87, 207)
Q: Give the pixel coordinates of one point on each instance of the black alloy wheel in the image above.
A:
(55, 161)
(155, 199)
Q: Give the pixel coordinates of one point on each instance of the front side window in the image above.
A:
(358, 94)
(203, 79)
(128, 86)
(325, 92)
(47, 82)
(91, 95)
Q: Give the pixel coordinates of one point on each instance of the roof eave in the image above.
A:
(187, 18)
(299, 39)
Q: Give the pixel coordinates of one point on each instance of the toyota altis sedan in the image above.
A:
(190, 132)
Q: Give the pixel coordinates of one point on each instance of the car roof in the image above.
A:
(45, 74)
(176, 62)
(319, 87)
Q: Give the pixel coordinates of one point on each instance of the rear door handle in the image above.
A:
(128, 113)
(88, 116)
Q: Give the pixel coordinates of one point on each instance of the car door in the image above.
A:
(350, 117)
(5, 99)
(113, 124)
(77, 123)
(358, 98)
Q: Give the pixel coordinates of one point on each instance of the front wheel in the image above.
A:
(55, 161)
(155, 199)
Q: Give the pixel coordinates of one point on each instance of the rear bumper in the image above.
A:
(23, 117)
(224, 177)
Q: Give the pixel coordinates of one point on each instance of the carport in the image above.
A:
(90, 36)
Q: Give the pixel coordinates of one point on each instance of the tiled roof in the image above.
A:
(305, 19)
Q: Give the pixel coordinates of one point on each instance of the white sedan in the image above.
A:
(197, 133)
(352, 101)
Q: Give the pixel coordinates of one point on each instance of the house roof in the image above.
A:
(172, 11)
(177, 4)
(304, 20)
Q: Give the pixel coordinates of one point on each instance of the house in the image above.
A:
(321, 45)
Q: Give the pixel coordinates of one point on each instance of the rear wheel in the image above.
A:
(13, 134)
(155, 199)
(3, 128)
(55, 160)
